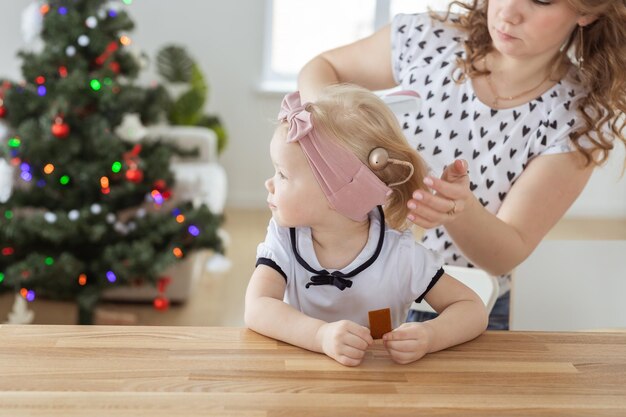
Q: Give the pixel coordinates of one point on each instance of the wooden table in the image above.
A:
(201, 371)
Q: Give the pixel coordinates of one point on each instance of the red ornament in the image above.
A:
(131, 158)
(161, 302)
(59, 128)
(115, 67)
(134, 175)
(160, 185)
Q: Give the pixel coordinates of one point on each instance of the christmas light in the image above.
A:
(14, 142)
(83, 40)
(125, 40)
(108, 81)
(73, 215)
(41, 90)
(91, 22)
(30, 295)
(193, 230)
(111, 276)
(44, 9)
(26, 176)
(106, 191)
(177, 252)
(112, 14)
(1, 277)
(63, 71)
(128, 2)
(8, 214)
(7, 251)
(82, 279)
(157, 197)
(116, 167)
(180, 218)
(40, 80)
(49, 261)
(95, 85)
(23, 292)
(62, 10)
(64, 180)
(48, 169)
(104, 182)
(41, 183)
(25, 167)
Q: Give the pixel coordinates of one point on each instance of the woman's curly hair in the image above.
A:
(603, 76)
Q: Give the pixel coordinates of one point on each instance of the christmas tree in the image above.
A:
(84, 210)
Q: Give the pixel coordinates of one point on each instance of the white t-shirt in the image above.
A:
(394, 270)
(453, 123)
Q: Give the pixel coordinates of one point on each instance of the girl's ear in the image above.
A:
(586, 19)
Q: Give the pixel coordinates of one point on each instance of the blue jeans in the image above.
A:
(498, 319)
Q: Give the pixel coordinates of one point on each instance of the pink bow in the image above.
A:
(299, 120)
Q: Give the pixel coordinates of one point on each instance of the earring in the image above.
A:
(379, 159)
(580, 50)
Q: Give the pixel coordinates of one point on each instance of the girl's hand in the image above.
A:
(452, 193)
(345, 341)
(409, 342)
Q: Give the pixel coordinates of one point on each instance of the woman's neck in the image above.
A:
(338, 243)
(513, 81)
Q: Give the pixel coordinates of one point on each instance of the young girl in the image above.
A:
(332, 254)
(526, 95)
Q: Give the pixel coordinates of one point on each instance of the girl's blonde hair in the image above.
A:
(361, 122)
(603, 75)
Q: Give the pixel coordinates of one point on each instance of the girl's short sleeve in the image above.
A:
(424, 269)
(275, 251)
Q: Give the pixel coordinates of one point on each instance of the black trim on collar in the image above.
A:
(336, 278)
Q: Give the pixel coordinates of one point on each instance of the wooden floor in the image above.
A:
(217, 299)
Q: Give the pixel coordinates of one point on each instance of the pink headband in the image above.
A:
(351, 187)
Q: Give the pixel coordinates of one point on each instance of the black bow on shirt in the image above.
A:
(337, 278)
(334, 278)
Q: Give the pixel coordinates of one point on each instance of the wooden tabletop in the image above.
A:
(210, 371)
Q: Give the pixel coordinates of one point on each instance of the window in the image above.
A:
(298, 30)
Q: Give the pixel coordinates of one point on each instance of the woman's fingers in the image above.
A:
(436, 202)
(455, 171)
(449, 189)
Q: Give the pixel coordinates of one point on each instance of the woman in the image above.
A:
(521, 99)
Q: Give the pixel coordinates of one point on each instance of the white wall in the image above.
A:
(226, 37)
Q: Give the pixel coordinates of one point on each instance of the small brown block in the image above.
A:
(380, 322)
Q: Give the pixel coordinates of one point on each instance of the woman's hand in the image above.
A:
(409, 342)
(452, 194)
(345, 341)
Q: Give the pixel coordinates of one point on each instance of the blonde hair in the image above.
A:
(603, 76)
(361, 122)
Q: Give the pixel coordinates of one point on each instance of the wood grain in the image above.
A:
(211, 371)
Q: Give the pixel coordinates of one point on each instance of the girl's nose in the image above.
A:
(269, 185)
